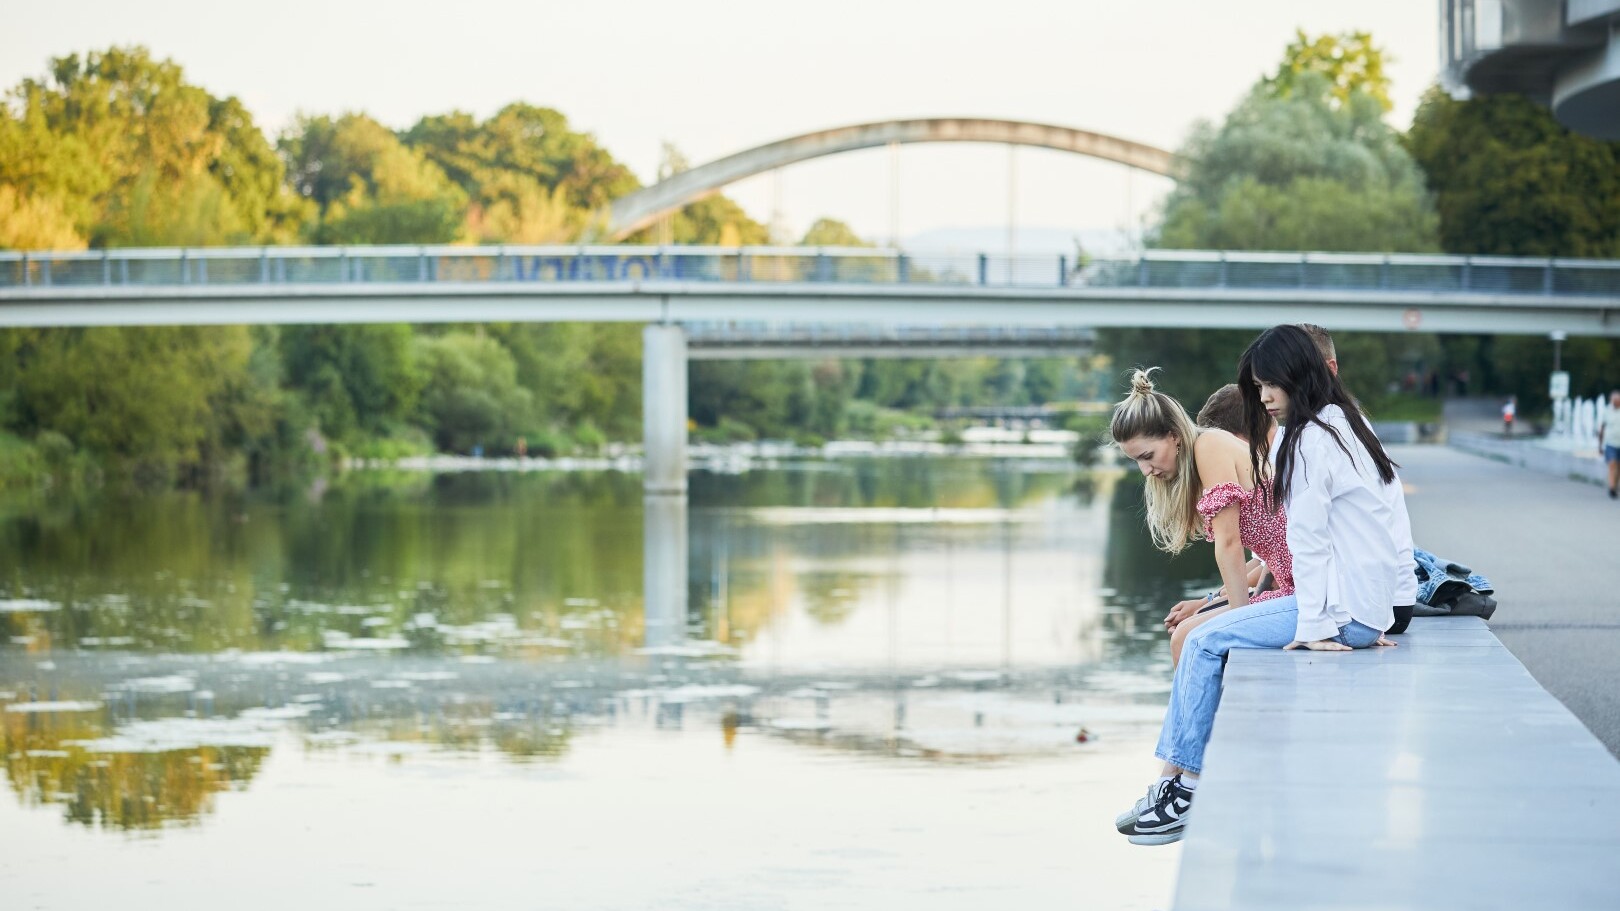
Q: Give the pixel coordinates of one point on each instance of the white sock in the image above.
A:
(1190, 782)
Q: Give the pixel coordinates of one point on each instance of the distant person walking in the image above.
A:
(1609, 440)
(1510, 410)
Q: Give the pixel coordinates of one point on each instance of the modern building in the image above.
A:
(1562, 53)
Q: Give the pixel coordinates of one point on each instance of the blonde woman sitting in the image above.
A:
(1223, 410)
(1203, 491)
(1201, 484)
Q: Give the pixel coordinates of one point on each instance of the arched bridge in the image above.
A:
(642, 208)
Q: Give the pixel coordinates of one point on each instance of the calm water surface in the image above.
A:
(894, 681)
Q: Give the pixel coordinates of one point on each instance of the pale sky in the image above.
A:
(716, 77)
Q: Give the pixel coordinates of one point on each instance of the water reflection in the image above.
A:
(157, 650)
(138, 778)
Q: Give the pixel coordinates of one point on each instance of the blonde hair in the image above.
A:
(1172, 503)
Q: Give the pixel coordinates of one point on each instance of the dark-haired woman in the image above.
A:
(1346, 521)
(1348, 529)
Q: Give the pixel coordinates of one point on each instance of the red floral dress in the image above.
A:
(1259, 529)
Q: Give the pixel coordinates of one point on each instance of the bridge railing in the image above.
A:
(240, 266)
(708, 334)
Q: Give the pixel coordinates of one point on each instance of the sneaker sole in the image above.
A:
(1125, 822)
(1163, 838)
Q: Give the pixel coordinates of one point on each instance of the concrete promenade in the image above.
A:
(1433, 775)
(1444, 773)
(1551, 546)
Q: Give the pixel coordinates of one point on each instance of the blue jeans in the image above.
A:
(1196, 692)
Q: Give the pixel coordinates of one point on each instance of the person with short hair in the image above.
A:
(1608, 434)
(1223, 409)
(1324, 344)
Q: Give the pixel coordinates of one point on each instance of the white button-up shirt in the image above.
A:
(1348, 532)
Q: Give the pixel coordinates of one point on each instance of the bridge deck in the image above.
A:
(1158, 288)
(1435, 775)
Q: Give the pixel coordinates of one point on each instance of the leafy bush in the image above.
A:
(21, 463)
(400, 444)
(589, 437)
(548, 443)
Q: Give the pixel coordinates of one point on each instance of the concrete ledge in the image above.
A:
(1396, 431)
(1434, 775)
(1527, 454)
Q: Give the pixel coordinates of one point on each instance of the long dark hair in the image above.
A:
(1285, 356)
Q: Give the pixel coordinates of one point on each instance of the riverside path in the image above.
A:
(1549, 546)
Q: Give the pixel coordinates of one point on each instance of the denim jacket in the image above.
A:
(1441, 580)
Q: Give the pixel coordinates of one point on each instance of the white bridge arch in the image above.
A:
(639, 209)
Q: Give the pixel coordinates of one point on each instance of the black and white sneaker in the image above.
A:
(1166, 820)
(1126, 821)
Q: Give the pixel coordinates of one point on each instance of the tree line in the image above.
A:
(115, 149)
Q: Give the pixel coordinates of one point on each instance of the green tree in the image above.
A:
(121, 147)
(35, 223)
(358, 380)
(1297, 172)
(531, 178)
(470, 394)
(1349, 62)
(1509, 180)
(717, 220)
(830, 232)
(156, 402)
(527, 141)
(368, 187)
(1304, 162)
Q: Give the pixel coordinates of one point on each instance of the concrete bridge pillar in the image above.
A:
(664, 553)
(663, 409)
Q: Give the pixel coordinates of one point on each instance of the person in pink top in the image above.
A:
(1270, 574)
(1200, 485)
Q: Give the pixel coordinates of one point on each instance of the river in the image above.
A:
(893, 681)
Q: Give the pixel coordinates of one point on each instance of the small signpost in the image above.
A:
(1558, 382)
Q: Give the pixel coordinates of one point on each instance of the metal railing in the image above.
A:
(245, 266)
(811, 335)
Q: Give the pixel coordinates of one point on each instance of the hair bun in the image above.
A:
(1142, 381)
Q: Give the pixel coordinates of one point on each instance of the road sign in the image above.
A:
(1412, 318)
(1558, 385)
